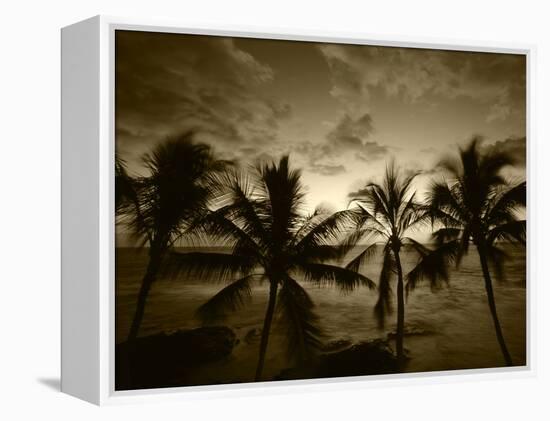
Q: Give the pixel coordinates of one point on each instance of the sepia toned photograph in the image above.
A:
(293, 210)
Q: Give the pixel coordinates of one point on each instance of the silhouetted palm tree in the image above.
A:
(259, 218)
(390, 214)
(475, 203)
(167, 201)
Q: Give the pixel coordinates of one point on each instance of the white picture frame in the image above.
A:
(88, 214)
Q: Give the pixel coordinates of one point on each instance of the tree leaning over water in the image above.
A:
(271, 241)
(476, 204)
(166, 202)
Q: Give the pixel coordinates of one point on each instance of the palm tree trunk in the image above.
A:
(400, 333)
(492, 305)
(146, 283)
(265, 331)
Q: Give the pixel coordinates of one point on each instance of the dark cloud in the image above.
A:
(255, 100)
(515, 147)
(327, 169)
(255, 156)
(371, 151)
(357, 193)
(349, 135)
(168, 83)
(280, 111)
(411, 74)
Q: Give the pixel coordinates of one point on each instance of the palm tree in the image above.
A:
(390, 214)
(475, 204)
(167, 201)
(259, 218)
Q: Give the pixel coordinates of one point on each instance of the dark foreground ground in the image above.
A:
(163, 360)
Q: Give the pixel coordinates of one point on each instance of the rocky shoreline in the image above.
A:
(167, 360)
(343, 358)
(170, 360)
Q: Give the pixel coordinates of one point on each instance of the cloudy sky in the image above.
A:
(341, 111)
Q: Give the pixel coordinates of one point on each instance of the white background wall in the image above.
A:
(29, 206)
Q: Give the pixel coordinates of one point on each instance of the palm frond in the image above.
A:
(309, 222)
(433, 265)
(283, 199)
(141, 229)
(296, 314)
(240, 206)
(391, 188)
(407, 210)
(349, 242)
(444, 235)
(218, 227)
(496, 258)
(444, 206)
(176, 191)
(231, 298)
(368, 218)
(362, 258)
(380, 203)
(328, 232)
(511, 231)
(414, 217)
(125, 194)
(208, 267)
(405, 188)
(491, 165)
(505, 202)
(329, 275)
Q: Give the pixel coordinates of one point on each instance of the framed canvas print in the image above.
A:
(245, 210)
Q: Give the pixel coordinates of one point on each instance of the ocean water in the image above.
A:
(449, 329)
